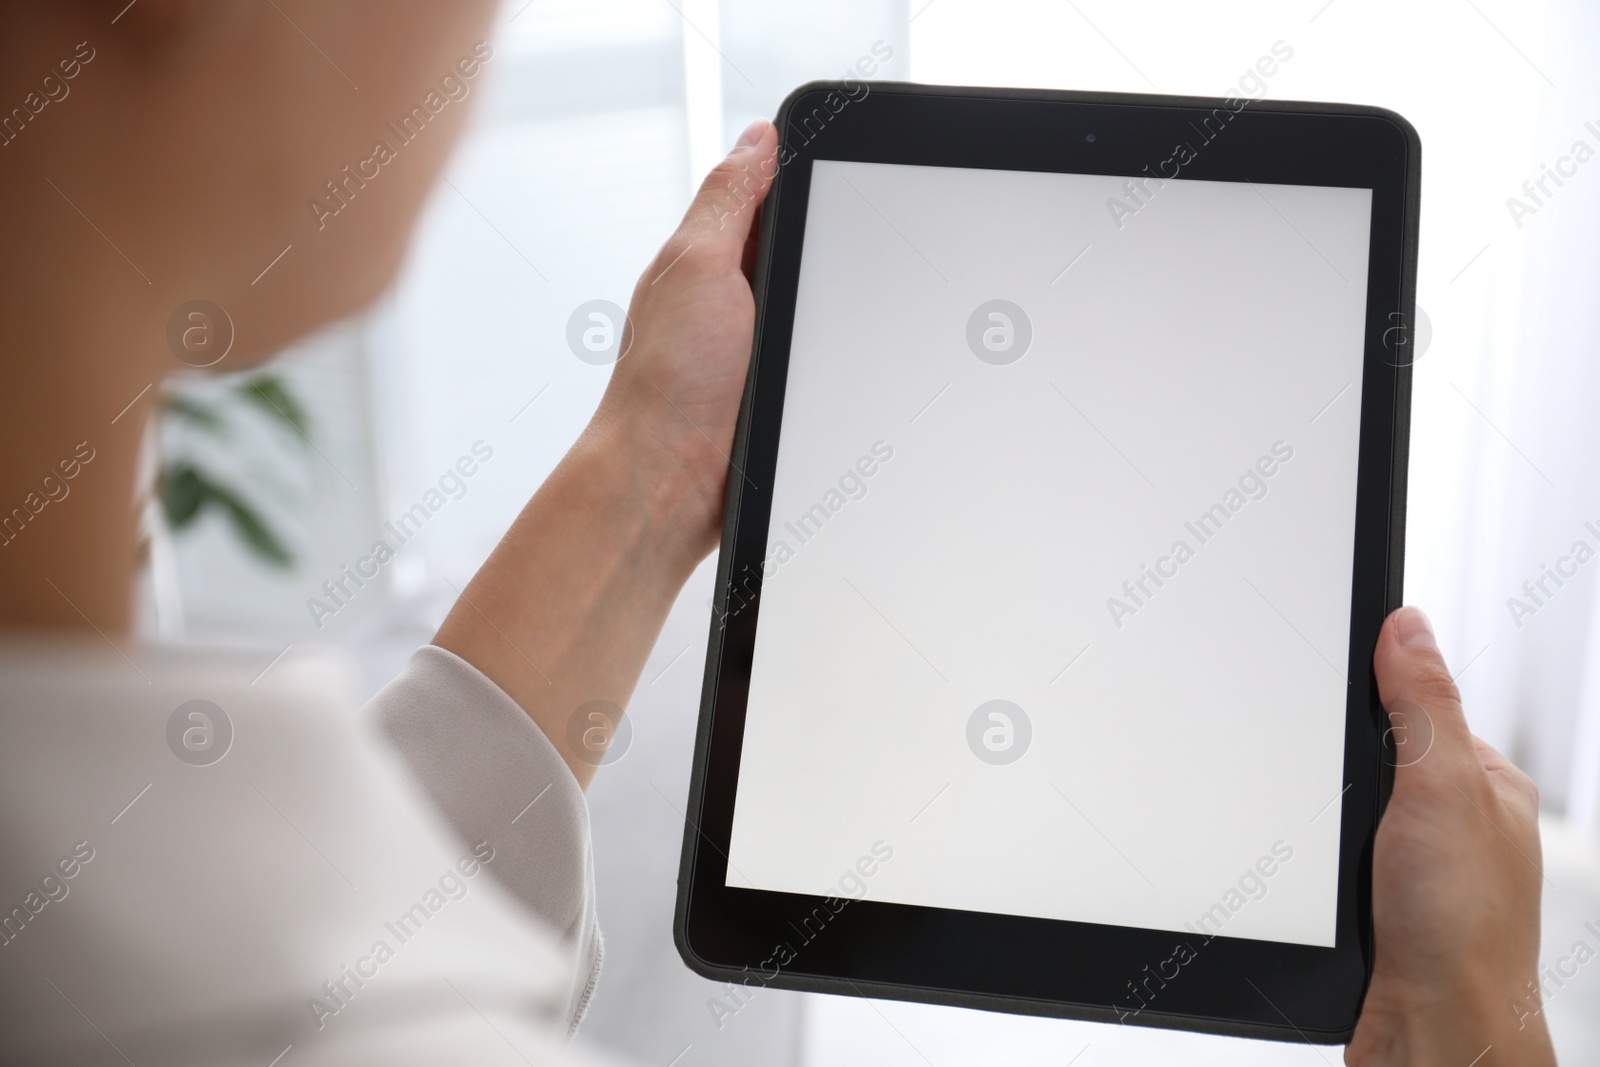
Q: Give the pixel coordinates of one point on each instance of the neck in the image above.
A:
(70, 428)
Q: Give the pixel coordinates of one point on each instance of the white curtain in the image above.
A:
(1531, 495)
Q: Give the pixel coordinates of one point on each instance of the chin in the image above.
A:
(326, 290)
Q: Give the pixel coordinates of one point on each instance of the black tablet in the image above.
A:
(1065, 507)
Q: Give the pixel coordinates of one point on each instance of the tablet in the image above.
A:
(1065, 507)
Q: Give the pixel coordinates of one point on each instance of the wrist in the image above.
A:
(567, 607)
(1478, 1025)
(665, 485)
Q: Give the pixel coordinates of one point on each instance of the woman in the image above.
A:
(297, 899)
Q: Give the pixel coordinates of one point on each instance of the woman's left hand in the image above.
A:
(676, 390)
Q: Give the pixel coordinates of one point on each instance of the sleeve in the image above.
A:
(494, 776)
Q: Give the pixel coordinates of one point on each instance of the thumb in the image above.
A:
(719, 220)
(1416, 688)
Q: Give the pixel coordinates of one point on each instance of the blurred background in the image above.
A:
(594, 124)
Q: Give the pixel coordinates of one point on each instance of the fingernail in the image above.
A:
(1413, 629)
(752, 133)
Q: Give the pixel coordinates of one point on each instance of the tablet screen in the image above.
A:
(1056, 599)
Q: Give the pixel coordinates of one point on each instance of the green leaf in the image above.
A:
(197, 413)
(183, 491)
(249, 526)
(272, 396)
(186, 492)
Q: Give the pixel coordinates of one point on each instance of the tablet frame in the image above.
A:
(1006, 962)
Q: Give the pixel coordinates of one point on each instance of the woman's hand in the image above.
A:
(564, 612)
(675, 393)
(1455, 884)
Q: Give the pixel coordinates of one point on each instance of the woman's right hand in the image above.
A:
(1455, 884)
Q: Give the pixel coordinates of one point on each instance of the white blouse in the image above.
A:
(201, 867)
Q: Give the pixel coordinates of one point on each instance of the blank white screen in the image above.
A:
(1179, 343)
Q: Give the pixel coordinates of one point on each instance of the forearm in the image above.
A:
(571, 601)
(569, 605)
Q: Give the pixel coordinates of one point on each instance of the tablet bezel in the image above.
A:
(1013, 963)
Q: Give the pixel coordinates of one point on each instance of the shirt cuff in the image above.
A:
(495, 777)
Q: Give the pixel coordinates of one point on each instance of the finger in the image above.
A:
(1414, 682)
(722, 216)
